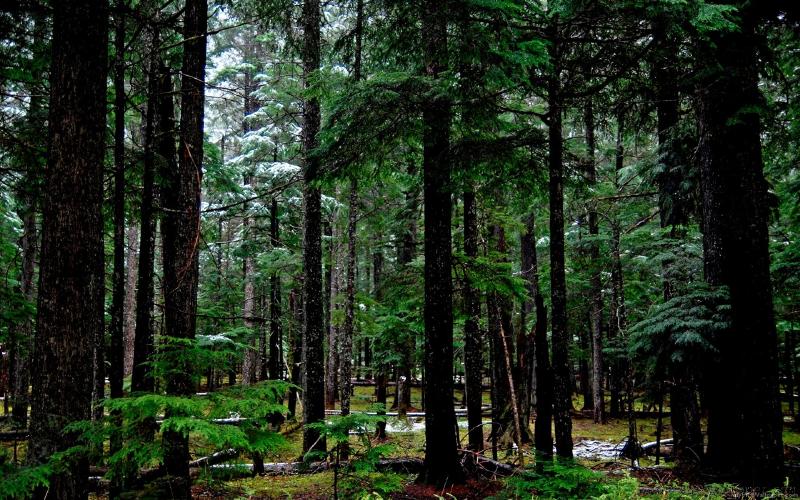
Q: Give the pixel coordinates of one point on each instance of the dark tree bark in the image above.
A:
(116, 356)
(71, 278)
(596, 306)
(743, 386)
(617, 318)
(181, 226)
(499, 308)
(441, 457)
(562, 402)
(543, 434)
(314, 381)
(346, 356)
(408, 250)
(673, 212)
(473, 357)
(275, 340)
(142, 378)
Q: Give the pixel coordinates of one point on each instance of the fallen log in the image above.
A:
(651, 446)
(214, 459)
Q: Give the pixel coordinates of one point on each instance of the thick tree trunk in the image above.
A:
(71, 278)
(473, 356)
(181, 238)
(441, 444)
(562, 402)
(313, 383)
(743, 385)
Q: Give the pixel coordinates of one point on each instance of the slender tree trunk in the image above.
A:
(441, 443)
(596, 308)
(117, 353)
(473, 357)
(743, 385)
(685, 416)
(346, 355)
(275, 340)
(20, 368)
(562, 402)
(788, 367)
(132, 267)
(181, 238)
(142, 379)
(543, 434)
(71, 278)
(295, 348)
(334, 305)
(314, 383)
(250, 362)
(380, 370)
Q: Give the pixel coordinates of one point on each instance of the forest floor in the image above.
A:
(597, 462)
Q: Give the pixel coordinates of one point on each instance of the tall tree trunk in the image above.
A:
(142, 378)
(743, 385)
(275, 340)
(596, 306)
(116, 355)
(543, 436)
(71, 278)
(313, 383)
(408, 250)
(346, 355)
(117, 352)
(181, 238)
(562, 402)
(346, 342)
(685, 415)
(295, 347)
(441, 443)
(20, 368)
(250, 362)
(473, 357)
(334, 305)
(618, 318)
(132, 267)
(380, 370)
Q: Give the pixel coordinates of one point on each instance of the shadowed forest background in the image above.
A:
(399, 249)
